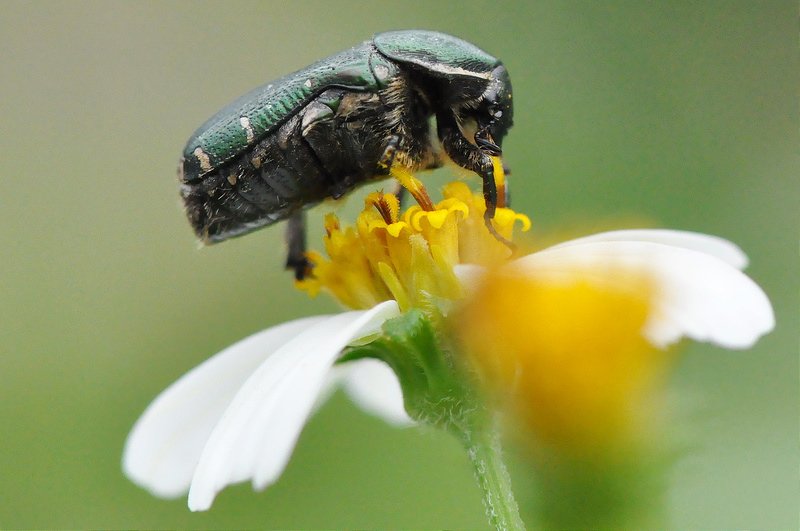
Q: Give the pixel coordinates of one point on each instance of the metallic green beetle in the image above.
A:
(343, 121)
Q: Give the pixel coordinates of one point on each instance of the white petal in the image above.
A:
(164, 446)
(374, 387)
(258, 431)
(723, 249)
(699, 296)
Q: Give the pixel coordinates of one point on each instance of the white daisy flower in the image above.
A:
(237, 416)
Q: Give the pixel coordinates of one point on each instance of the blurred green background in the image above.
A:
(681, 113)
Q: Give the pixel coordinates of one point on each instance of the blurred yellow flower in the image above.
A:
(567, 355)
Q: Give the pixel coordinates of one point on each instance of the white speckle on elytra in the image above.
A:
(382, 71)
(202, 156)
(248, 129)
(307, 84)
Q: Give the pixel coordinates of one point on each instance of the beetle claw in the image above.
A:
(484, 140)
(303, 268)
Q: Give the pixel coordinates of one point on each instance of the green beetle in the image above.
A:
(343, 121)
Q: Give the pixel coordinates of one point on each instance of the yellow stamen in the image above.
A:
(386, 204)
(331, 224)
(409, 256)
(413, 185)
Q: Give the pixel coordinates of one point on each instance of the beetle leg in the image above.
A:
(468, 156)
(296, 242)
(471, 157)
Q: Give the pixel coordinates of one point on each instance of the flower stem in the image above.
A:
(437, 393)
(486, 455)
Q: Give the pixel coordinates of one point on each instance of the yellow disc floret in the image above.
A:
(410, 256)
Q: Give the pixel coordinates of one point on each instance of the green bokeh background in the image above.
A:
(683, 114)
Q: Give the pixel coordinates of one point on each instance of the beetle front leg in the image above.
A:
(468, 156)
(481, 157)
(471, 157)
(296, 242)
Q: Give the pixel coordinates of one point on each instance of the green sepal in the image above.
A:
(436, 390)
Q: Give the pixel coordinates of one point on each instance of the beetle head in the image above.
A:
(460, 77)
(495, 113)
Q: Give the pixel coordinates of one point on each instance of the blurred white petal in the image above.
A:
(721, 248)
(698, 295)
(165, 444)
(374, 387)
(468, 274)
(257, 433)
